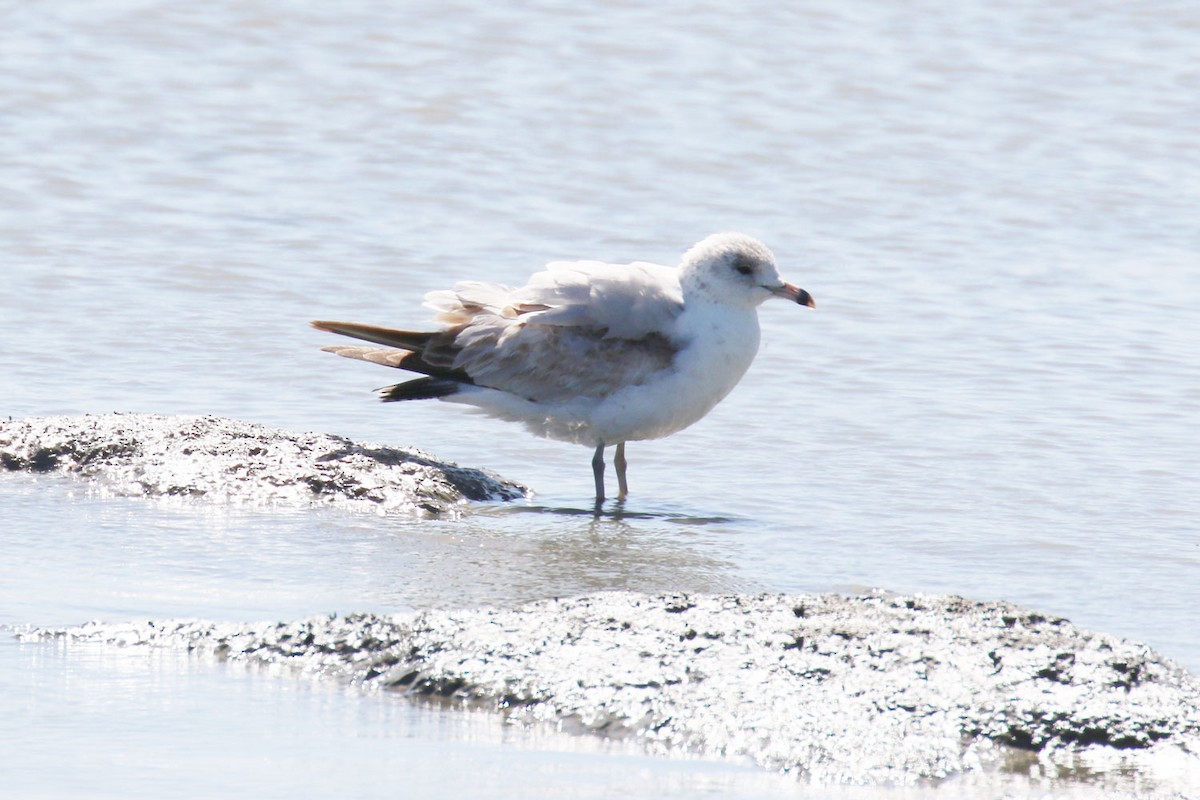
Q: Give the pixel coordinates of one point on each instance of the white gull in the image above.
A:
(592, 353)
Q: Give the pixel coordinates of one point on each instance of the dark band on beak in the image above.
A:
(791, 291)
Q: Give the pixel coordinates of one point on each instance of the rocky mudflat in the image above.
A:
(866, 689)
(227, 461)
(872, 689)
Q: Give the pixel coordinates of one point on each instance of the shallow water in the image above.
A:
(992, 203)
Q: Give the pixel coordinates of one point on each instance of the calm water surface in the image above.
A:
(994, 205)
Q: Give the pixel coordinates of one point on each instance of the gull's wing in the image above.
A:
(557, 363)
(578, 329)
(627, 301)
(544, 363)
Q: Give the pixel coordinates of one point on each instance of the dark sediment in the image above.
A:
(870, 689)
(228, 461)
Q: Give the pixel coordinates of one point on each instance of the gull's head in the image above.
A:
(737, 269)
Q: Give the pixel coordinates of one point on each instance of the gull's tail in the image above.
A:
(408, 340)
(430, 354)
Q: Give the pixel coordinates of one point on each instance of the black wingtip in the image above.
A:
(419, 389)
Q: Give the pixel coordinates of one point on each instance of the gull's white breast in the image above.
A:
(721, 343)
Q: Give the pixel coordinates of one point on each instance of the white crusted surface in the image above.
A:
(871, 689)
(228, 461)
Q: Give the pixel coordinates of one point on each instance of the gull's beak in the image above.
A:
(790, 291)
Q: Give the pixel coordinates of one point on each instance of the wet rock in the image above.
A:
(227, 461)
(876, 688)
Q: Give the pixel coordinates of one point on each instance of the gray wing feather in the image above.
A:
(576, 329)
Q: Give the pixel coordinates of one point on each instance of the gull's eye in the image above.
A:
(743, 265)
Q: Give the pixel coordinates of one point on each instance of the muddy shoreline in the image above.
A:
(232, 462)
(869, 689)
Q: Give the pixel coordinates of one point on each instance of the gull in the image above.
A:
(588, 352)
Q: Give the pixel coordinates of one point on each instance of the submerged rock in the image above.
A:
(876, 688)
(240, 462)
